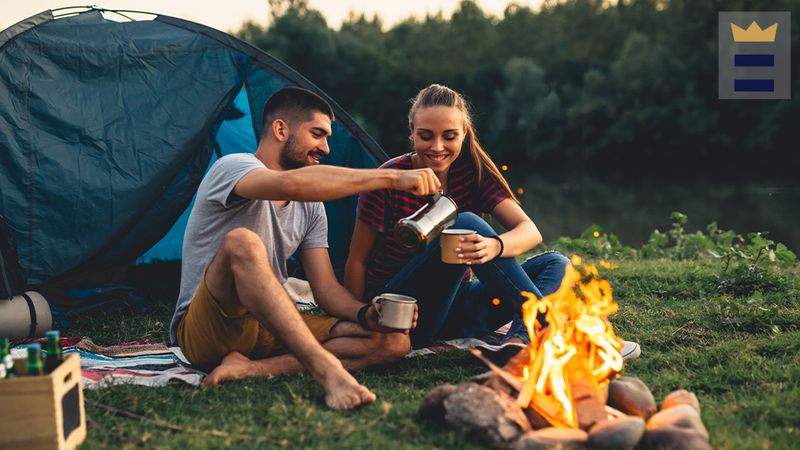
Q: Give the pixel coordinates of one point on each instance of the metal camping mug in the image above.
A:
(417, 230)
(396, 311)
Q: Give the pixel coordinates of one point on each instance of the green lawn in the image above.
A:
(739, 353)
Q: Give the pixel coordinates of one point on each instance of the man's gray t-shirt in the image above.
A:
(217, 210)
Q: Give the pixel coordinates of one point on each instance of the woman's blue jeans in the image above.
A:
(450, 307)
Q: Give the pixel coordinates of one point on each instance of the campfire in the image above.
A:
(574, 356)
(564, 388)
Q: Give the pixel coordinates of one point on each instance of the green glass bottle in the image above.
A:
(53, 354)
(35, 364)
(6, 361)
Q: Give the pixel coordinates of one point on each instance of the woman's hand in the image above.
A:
(476, 249)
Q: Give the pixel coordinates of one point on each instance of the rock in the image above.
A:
(674, 438)
(631, 396)
(681, 397)
(552, 439)
(681, 416)
(500, 385)
(488, 414)
(677, 427)
(623, 433)
(432, 406)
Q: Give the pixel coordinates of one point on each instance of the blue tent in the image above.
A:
(107, 128)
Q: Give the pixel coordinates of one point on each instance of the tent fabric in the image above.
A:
(107, 128)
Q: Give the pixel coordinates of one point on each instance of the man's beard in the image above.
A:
(292, 157)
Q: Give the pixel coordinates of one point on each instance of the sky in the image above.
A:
(229, 15)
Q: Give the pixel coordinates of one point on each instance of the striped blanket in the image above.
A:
(149, 363)
(145, 363)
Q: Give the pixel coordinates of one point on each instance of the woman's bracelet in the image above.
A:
(362, 316)
(502, 247)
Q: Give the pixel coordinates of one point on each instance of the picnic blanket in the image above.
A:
(149, 363)
(145, 363)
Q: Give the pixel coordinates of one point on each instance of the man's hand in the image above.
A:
(374, 325)
(418, 181)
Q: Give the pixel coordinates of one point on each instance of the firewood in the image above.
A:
(507, 377)
(537, 420)
(544, 411)
(499, 384)
(515, 366)
(586, 397)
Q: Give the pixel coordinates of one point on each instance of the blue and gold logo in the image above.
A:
(754, 62)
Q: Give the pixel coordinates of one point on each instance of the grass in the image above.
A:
(740, 353)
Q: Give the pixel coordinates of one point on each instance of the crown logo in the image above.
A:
(754, 33)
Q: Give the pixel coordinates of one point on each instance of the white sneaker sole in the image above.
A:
(630, 350)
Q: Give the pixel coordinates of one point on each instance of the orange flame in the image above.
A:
(577, 327)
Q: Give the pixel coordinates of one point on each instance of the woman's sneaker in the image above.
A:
(630, 350)
(501, 353)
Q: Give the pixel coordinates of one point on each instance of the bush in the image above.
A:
(745, 258)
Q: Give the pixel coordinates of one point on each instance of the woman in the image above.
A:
(450, 305)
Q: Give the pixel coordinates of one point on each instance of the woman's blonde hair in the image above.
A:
(438, 95)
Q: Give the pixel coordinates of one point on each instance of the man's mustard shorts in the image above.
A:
(207, 332)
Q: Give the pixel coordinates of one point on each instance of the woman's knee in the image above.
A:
(472, 221)
(555, 258)
(550, 259)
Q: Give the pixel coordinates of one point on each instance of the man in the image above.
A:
(254, 211)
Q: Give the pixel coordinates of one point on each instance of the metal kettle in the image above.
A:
(414, 232)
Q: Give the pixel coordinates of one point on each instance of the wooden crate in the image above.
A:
(43, 412)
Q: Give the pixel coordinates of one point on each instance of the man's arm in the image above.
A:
(331, 296)
(322, 183)
(355, 268)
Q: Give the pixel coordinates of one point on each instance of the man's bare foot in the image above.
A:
(234, 366)
(342, 391)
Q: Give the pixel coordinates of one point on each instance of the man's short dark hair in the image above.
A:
(293, 105)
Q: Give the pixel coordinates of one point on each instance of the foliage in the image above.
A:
(594, 242)
(582, 82)
(748, 264)
(678, 244)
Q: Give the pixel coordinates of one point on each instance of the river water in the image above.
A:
(633, 206)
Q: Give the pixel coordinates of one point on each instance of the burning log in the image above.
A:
(517, 364)
(499, 373)
(543, 411)
(587, 400)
